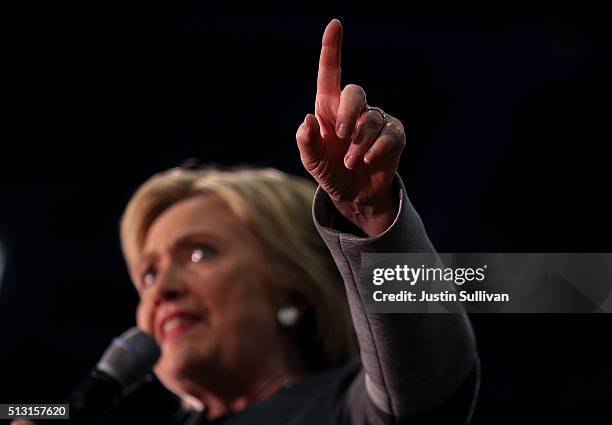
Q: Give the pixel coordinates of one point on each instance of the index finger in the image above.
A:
(328, 78)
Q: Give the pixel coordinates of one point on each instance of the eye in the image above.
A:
(148, 277)
(201, 252)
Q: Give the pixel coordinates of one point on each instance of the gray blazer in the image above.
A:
(412, 363)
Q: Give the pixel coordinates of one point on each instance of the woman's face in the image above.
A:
(205, 295)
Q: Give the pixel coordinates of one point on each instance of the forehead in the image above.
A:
(202, 214)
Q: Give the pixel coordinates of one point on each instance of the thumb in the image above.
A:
(310, 142)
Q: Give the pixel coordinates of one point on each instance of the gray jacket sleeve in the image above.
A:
(415, 366)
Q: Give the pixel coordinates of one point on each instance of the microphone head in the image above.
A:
(130, 357)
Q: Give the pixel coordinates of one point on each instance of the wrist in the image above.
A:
(372, 217)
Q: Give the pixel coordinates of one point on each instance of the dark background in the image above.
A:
(508, 122)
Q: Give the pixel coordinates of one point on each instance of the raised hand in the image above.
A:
(350, 149)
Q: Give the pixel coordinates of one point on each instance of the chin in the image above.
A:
(180, 362)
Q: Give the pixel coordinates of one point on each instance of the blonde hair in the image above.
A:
(276, 207)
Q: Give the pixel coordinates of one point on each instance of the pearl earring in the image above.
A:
(287, 316)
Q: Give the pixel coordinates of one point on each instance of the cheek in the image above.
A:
(248, 304)
(143, 317)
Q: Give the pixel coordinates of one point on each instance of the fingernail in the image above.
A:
(347, 161)
(342, 131)
(367, 158)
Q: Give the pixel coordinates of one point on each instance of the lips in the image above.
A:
(175, 323)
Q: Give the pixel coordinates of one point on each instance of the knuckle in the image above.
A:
(373, 123)
(356, 90)
(299, 136)
(320, 104)
(375, 119)
(396, 131)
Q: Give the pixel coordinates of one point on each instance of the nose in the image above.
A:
(170, 284)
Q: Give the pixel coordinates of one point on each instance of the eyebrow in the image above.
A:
(188, 238)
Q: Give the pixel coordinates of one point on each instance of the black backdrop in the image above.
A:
(507, 116)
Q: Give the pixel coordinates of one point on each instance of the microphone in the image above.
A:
(124, 366)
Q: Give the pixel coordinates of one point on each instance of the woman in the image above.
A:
(248, 306)
(238, 290)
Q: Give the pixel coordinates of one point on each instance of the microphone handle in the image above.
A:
(95, 394)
